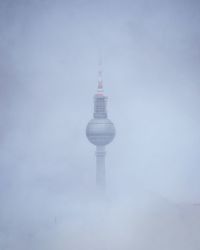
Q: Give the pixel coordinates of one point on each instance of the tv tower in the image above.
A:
(100, 131)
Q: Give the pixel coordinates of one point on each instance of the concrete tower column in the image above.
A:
(100, 167)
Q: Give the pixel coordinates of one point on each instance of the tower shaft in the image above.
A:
(100, 167)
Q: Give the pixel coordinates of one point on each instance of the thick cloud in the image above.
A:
(48, 73)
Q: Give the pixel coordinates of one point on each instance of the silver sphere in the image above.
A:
(100, 132)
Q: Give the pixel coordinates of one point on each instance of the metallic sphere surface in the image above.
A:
(100, 132)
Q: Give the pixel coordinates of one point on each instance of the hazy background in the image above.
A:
(49, 52)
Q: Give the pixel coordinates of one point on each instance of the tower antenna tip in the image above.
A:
(100, 78)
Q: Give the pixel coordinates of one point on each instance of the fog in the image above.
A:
(49, 53)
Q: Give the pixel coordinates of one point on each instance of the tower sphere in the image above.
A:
(100, 132)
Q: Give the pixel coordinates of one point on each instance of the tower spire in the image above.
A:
(100, 78)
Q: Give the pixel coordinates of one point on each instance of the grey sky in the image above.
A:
(49, 60)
